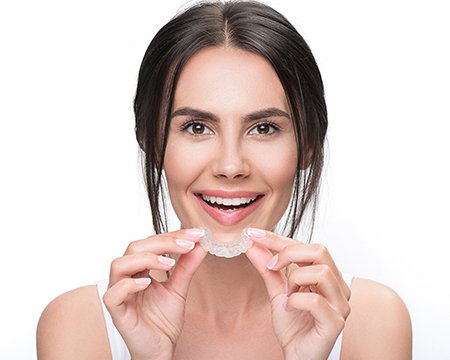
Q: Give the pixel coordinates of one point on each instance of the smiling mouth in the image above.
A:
(228, 204)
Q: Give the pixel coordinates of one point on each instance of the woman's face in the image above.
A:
(231, 153)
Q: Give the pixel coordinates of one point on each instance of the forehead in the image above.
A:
(222, 77)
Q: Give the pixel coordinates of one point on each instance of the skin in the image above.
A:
(231, 153)
(281, 300)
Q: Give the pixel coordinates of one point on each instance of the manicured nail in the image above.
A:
(143, 281)
(272, 262)
(166, 260)
(258, 233)
(195, 232)
(185, 244)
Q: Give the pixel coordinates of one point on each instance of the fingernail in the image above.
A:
(166, 260)
(258, 233)
(142, 281)
(195, 232)
(185, 244)
(272, 262)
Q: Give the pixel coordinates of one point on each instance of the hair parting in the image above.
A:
(250, 26)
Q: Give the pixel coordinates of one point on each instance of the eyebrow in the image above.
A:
(195, 113)
(266, 113)
(206, 115)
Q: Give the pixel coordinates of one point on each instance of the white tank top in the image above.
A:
(120, 351)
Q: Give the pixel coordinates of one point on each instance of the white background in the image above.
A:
(71, 196)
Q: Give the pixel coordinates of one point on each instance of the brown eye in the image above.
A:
(197, 128)
(263, 129)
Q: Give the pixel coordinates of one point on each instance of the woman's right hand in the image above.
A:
(149, 314)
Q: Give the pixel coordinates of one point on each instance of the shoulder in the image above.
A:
(379, 326)
(69, 324)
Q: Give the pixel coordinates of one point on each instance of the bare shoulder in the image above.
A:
(379, 326)
(72, 327)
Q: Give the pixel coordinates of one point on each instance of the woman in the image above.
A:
(230, 114)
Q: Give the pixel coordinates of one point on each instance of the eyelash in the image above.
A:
(185, 127)
(275, 127)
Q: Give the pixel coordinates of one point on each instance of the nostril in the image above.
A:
(232, 172)
(230, 161)
(232, 176)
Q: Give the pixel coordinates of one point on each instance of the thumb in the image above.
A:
(275, 280)
(186, 266)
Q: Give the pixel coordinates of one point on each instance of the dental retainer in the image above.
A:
(228, 249)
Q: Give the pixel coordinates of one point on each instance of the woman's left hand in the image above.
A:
(310, 301)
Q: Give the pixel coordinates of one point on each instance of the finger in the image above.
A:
(291, 251)
(129, 265)
(323, 280)
(176, 242)
(114, 298)
(308, 254)
(184, 270)
(269, 239)
(326, 318)
(274, 280)
(303, 254)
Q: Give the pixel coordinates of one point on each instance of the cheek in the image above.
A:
(278, 165)
(180, 169)
(182, 164)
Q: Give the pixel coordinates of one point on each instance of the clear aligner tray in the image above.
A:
(226, 249)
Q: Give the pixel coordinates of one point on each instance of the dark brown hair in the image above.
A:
(250, 26)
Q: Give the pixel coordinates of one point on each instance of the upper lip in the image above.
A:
(229, 194)
(232, 206)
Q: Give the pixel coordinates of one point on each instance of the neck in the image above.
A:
(221, 287)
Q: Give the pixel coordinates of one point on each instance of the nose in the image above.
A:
(230, 161)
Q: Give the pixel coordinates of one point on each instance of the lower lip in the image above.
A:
(229, 217)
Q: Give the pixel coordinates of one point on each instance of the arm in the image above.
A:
(68, 326)
(148, 314)
(310, 311)
(379, 326)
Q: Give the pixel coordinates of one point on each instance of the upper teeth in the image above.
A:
(228, 201)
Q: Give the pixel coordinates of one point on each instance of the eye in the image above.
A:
(196, 128)
(265, 128)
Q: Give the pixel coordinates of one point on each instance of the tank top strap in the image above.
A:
(336, 351)
(118, 348)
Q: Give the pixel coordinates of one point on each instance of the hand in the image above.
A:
(149, 314)
(310, 303)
